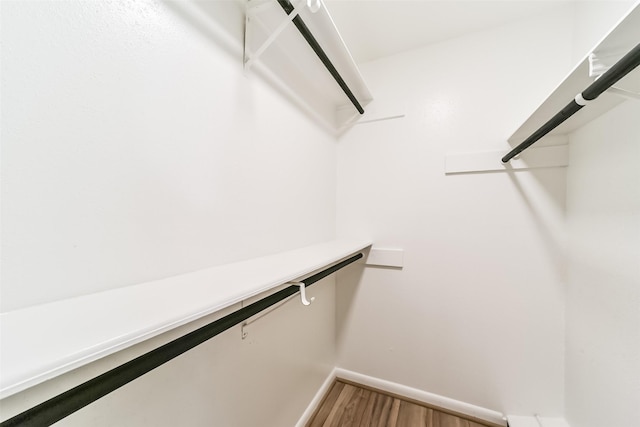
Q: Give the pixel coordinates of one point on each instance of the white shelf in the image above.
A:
(622, 39)
(275, 49)
(41, 342)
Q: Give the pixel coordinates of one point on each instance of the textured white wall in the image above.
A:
(476, 314)
(603, 298)
(134, 148)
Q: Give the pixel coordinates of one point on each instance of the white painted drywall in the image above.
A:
(603, 297)
(593, 20)
(476, 313)
(134, 148)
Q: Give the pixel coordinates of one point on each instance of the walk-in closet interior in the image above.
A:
(237, 213)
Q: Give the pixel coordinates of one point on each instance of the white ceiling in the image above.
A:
(373, 29)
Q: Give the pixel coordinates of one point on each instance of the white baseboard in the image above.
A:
(317, 399)
(401, 390)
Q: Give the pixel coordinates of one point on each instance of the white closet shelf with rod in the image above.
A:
(296, 46)
(33, 349)
(611, 87)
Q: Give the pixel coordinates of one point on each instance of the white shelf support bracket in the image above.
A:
(251, 57)
(244, 333)
(314, 5)
(244, 328)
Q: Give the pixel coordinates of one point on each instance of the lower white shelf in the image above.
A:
(41, 342)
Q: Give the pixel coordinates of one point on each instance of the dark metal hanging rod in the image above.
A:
(304, 30)
(65, 404)
(620, 69)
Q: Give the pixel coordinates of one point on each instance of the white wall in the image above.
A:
(593, 20)
(603, 299)
(476, 314)
(134, 148)
(268, 379)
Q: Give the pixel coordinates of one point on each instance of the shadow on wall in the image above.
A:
(348, 282)
(549, 229)
(222, 22)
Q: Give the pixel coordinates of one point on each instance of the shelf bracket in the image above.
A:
(251, 57)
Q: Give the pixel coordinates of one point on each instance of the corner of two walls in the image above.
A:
(602, 359)
(135, 148)
(494, 307)
(477, 312)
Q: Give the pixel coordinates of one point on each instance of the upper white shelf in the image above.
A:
(617, 42)
(275, 49)
(44, 341)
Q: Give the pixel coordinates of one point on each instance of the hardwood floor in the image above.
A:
(347, 405)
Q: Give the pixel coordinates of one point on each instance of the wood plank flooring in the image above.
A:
(347, 405)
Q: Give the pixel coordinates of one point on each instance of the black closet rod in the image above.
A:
(620, 69)
(65, 404)
(304, 30)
